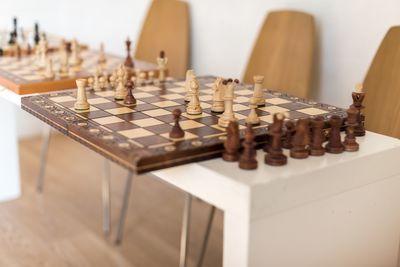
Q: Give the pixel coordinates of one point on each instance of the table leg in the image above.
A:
(43, 157)
(185, 230)
(124, 208)
(105, 193)
(9, 160)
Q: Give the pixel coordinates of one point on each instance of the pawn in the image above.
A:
(253, 118)
(247, 160)
(232, 142)
(130, 99)
(49, 73)
(81, 99)
(287, 141)
(350, 143)
(176, 131)
(334, 144)
(275, 156)
(301, 140)
(316, 148)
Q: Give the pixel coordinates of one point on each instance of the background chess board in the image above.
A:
(22, 76)
(137, 137)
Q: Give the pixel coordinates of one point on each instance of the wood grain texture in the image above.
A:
(166, 28)
(284, 53)
(382, 87)
(62, 226)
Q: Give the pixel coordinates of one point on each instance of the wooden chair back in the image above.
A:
(382, 87)
(166, 28)
(284, 53)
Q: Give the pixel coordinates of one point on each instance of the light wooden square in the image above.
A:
(172, 96)
(267, 118)
(240, 116)
(99, 100)
(178, 90)
(192, 117)
(105, 93)
(164, 104)
(108, 120)
(239, 107)
(312, 111)
(147, 122)
(204, 105)
(274, 109)
(209, 84)
(61, 99)
(157, 112)
(142, 95)
(277, 101)
(241, 99)
(244, 92)
(189, 124)
(118, 111)
(136, 133)
(182, 83)
(205, 97)
(149, 88)
(207, 91)
(91, 108)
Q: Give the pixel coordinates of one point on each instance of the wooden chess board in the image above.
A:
(137, 137)
(23, 77)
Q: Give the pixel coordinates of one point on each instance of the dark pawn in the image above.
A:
(316, 148)
(176, 131)
(36, 36)
(248, 159)
(232, 142)
(287, 142)
(130, 99)
(358, 99)
(128, 60)
(334, 144)
(350, 143)
(301, 140)
(275, 156)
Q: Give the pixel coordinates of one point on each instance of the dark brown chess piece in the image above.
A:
(301, 140)
(128, 60)
(130, 99)
(176, 131)
(334, 144)
(316, 148)
(232, 142)
(358, 98)
(287, 142)
(275, 156)
(350, 143)
(247, 160)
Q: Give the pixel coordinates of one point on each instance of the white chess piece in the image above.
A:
(258, 90)
(121, 91)
(194, 108)
(141, 78)
(49, 73)
(42, 52)
(189, 76)
(96, 80)
(162, 66)
(218, 96)
(81, 99)
(253, 118)
(228, 114)
(151, 75)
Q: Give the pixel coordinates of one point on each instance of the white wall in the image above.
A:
(223, 32)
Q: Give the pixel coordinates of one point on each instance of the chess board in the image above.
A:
(23, 77)
(138, 137)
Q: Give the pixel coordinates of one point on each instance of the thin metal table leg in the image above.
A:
(43, 157)
(185, 230)
(206, 236)
(124, 208)
(105, 194)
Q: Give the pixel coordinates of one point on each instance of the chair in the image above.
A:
(284, 53)
(382, 87)
(166, 28)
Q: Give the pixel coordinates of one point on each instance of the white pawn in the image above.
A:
(49, 73)
(258, 90)
(194, 108)
(218, 96)
(121, 91)
(189, 76)
(228, 114)
(253, 117)
(81, 99)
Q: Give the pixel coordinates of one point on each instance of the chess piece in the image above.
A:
(258, 90)
(247, 160)
(194, 108)
(275, 156)
(141, 78)
(113, 79)
(301, 140)
(96, 80)
(49, 73)
(36, 36)
(350, 143)
(151, 75)
(130, 99)
(102, 56)
(358, 98)
(189, 76)
(128, 60)
(42, 52)
(176, 131)
(228, 114)
(253, 118)
(218, 96)
(334, 144)
(15, 28)
(75, 58)
(290, 128)
(81, 99)
(162, 66)
(232, 142)
(316, 148)
(120, 91)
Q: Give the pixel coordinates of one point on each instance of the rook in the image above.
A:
(81, 99)
(334, 144)
(350, 143)
(316, 148)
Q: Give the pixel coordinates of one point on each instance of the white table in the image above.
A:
(336, 210)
